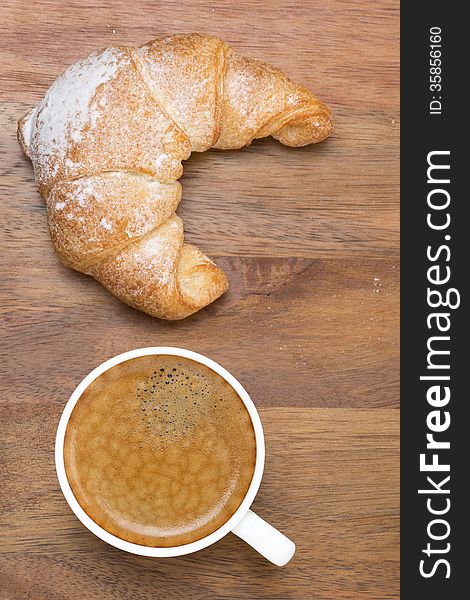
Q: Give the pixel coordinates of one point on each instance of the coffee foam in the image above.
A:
(160, 451)
(165, 398)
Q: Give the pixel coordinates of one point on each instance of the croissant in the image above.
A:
(106, 143)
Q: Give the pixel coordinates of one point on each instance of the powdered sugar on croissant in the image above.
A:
(107, 142)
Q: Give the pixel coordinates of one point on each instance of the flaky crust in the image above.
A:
(107, 142)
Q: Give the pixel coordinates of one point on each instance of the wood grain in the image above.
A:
(330, 476)
(310, 241)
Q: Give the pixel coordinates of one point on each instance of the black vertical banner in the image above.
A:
(435, 249)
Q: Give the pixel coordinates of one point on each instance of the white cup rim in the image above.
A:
(150, 550)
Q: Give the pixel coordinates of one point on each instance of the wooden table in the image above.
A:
(310, 241)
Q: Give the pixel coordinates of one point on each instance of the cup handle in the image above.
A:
(265, 539)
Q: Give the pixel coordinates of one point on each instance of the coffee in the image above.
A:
(160, 451)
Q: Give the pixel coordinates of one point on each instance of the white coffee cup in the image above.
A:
(244, 523)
